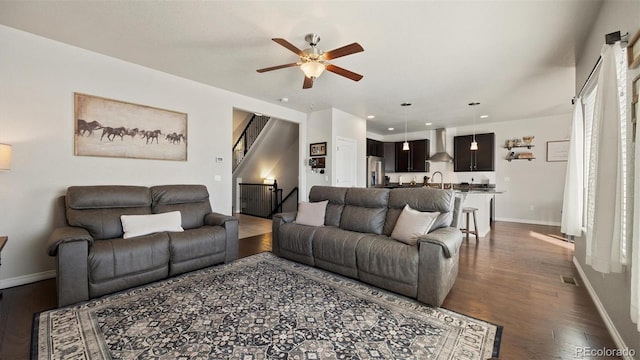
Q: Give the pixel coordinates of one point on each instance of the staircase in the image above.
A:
(248, 138)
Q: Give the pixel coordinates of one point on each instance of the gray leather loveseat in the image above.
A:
(355, 239)
(93, 258)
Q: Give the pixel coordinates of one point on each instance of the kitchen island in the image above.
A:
(484, 201)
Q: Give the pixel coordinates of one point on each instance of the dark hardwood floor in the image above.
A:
(510, 278)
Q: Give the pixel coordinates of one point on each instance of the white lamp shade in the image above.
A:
(312, 69)
(405, 146)
(5, 157)
(474, 145)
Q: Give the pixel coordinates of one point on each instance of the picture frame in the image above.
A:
(318, 149)
(113, 128)
(633, 51)
(557, 150)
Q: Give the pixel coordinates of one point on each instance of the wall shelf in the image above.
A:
(519, 146)
(509, 159)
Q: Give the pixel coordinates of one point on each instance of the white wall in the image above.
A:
(39, 77)
(318, 130)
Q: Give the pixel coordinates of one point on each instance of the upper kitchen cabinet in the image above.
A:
(413, 160)
(482, 159)
(389, 157)
(375, 148)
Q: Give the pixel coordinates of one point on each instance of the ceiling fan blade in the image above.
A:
(343, 51)
(308, 83)
(277, 67)
(289, 46)
(344, 72)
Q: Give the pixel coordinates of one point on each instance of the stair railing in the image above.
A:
(247, 138)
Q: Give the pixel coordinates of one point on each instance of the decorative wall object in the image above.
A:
(113, 128)
(557, 150)
(318, 149)
(633, 51)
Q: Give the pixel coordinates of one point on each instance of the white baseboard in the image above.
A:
(528, 221)
(601, 310)
(27, 279)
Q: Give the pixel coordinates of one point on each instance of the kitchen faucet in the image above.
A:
(441, 178)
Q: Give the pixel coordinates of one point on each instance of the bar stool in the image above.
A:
(468, 211)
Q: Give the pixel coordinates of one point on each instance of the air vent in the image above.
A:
(569, 280)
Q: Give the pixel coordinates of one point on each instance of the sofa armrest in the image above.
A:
(67, 234)
(285, 217)
(438, 269)
(230, 225)
(449, 238)
(279, 219)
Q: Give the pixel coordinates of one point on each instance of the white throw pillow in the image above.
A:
(412, 224)
(311, 213)
(138, 225)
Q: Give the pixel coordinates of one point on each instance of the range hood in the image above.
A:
(441, 147)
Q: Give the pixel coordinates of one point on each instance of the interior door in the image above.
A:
(346, 162)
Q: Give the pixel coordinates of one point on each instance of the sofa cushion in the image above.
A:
(191, 200)
(336, 196)
(295, 242)
(197, 248)
(365, 210)
(421, 199)
(412, 224)
(388, 264)
(114, 258)
(311, 213)
(138, 225)
(334, 249)
(98, 208)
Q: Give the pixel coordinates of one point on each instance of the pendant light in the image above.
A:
(405, 145)
(474, 143)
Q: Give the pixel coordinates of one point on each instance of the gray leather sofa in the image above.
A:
(355, 240)
(93, 259)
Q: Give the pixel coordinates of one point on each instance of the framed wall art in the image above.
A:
(557, 150)
(318, 149)
(114, 128)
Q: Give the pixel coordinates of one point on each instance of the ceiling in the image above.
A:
(515, 57)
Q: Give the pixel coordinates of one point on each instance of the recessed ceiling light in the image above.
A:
(391, 129)
(428, 124)
(371, 116)
(484, 116)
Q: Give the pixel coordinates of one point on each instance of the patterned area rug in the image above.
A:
(260, 307)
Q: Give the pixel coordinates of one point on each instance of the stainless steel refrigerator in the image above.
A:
(375, 171)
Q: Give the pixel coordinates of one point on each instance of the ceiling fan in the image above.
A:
(314, 61)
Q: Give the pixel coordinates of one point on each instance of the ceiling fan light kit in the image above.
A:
(313, 61)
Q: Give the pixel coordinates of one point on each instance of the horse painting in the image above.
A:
(84, 127)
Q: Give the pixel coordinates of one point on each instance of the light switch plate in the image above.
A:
(217, 178)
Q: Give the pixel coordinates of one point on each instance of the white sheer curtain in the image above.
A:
(574, 181)
(607, 202)
(635, 252)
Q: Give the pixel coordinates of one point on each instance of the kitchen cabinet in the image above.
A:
(389, 157)
(375, 148)
(482, 159)
(414, 159)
